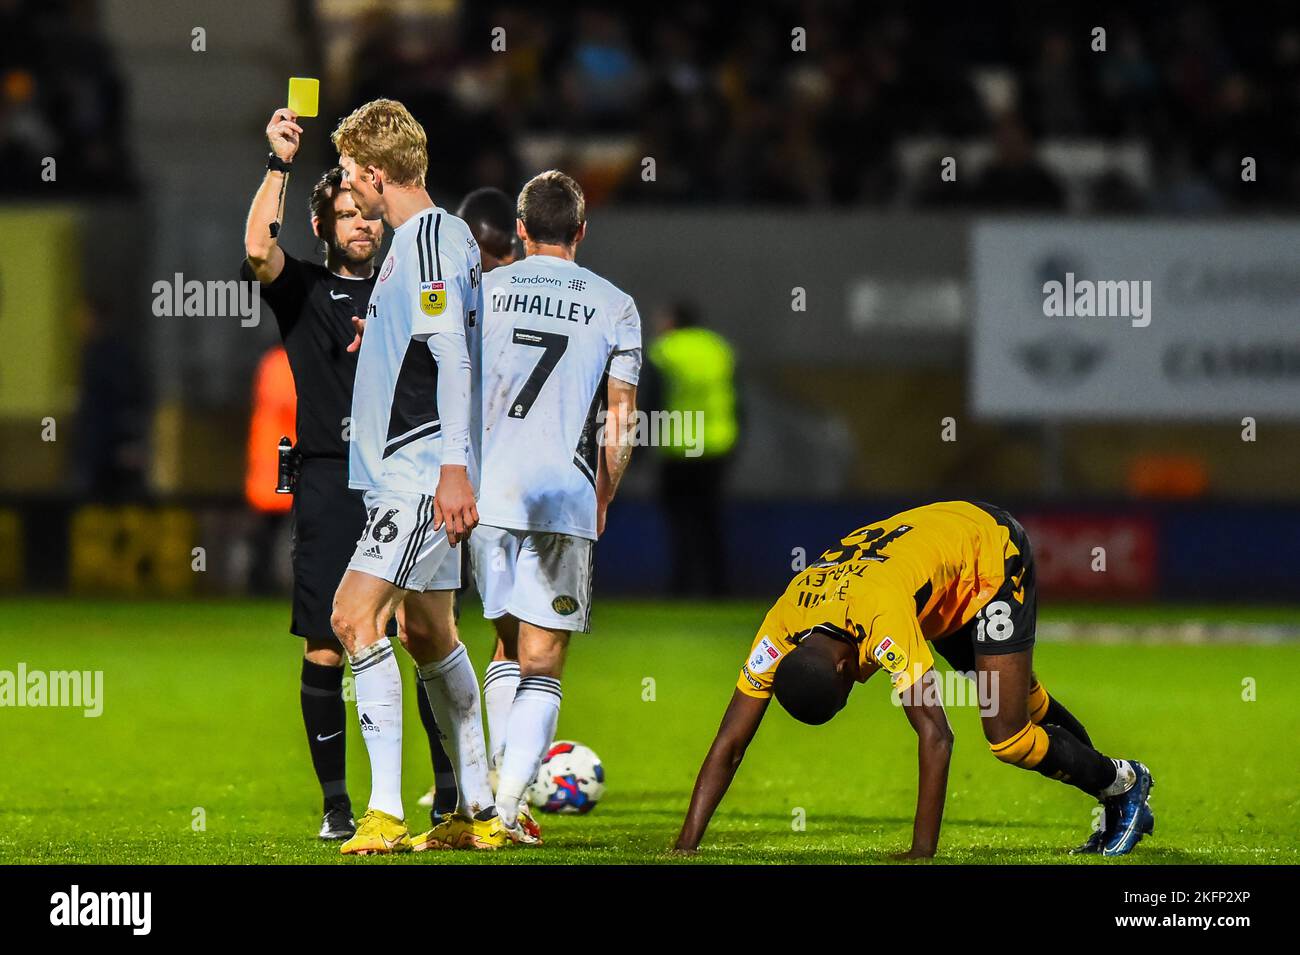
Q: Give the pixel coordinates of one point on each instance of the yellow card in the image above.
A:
(304, 95)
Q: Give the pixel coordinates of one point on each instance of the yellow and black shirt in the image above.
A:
(891, 587)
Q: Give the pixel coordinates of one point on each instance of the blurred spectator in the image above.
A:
(1056, 88)
(1184, 189)
(110, 457)
(60, 97)
(1128, 85)
(275, 411)
(1113, 193)
(732, 112)
(691, 377)
(1015, 180)
(26, 137)
(603, 76)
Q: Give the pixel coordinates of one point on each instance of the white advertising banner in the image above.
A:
(1135, 320)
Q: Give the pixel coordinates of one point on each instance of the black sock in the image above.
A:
(324, 716)
(1071, 761)
(445, 795)
(1058, 714)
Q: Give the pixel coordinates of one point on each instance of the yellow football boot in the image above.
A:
(451, 833)
(457, 831)
(378, 833)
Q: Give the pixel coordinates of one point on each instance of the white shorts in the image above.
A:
(539, 578)
(400, 545)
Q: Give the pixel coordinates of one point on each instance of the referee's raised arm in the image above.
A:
(267, 212)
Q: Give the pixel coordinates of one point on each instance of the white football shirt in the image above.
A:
(551, 330)
(428, 298)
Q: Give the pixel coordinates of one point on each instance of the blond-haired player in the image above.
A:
(414, 453)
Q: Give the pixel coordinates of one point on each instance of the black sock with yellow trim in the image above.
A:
(1057, 754)
(1072, 761)
(1044, 709)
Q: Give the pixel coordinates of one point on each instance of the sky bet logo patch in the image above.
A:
(890, 656)
(764, 655)
(433, 298)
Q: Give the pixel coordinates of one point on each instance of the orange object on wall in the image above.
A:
(1168, 476)
(275, 410)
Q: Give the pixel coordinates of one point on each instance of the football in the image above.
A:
(570, 779)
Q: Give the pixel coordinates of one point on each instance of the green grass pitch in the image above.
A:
(201, 714)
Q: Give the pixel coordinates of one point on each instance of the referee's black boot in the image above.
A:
(337, 822)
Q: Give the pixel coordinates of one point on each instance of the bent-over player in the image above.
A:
(958, 575)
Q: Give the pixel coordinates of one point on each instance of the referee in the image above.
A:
(314, 306)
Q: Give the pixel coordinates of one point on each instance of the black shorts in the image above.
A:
(328, 517)
(1009, 621)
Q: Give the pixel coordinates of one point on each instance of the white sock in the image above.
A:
(379, 709)
(499, 688)
(1125, 777)
(533, 717)
(452, 689)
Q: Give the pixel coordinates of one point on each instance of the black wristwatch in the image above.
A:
(275, 163)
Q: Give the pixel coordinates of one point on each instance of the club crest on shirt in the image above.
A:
(764, 655)
(433, 298)
(890, 656)
(387, 270)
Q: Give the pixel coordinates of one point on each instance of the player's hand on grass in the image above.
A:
(284, 134)
(683, 852)
(453, 503)
(359, 324)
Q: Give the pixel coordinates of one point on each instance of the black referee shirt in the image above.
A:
(313, 308)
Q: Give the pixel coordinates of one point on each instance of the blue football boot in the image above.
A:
(1135, 816)
(1101, 835)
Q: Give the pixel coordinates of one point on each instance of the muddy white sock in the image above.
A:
(453, 696)
(379, 710)
(533, 719)
(499, 687)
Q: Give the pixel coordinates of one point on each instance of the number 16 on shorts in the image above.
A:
(993, 622)
(398, 543)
